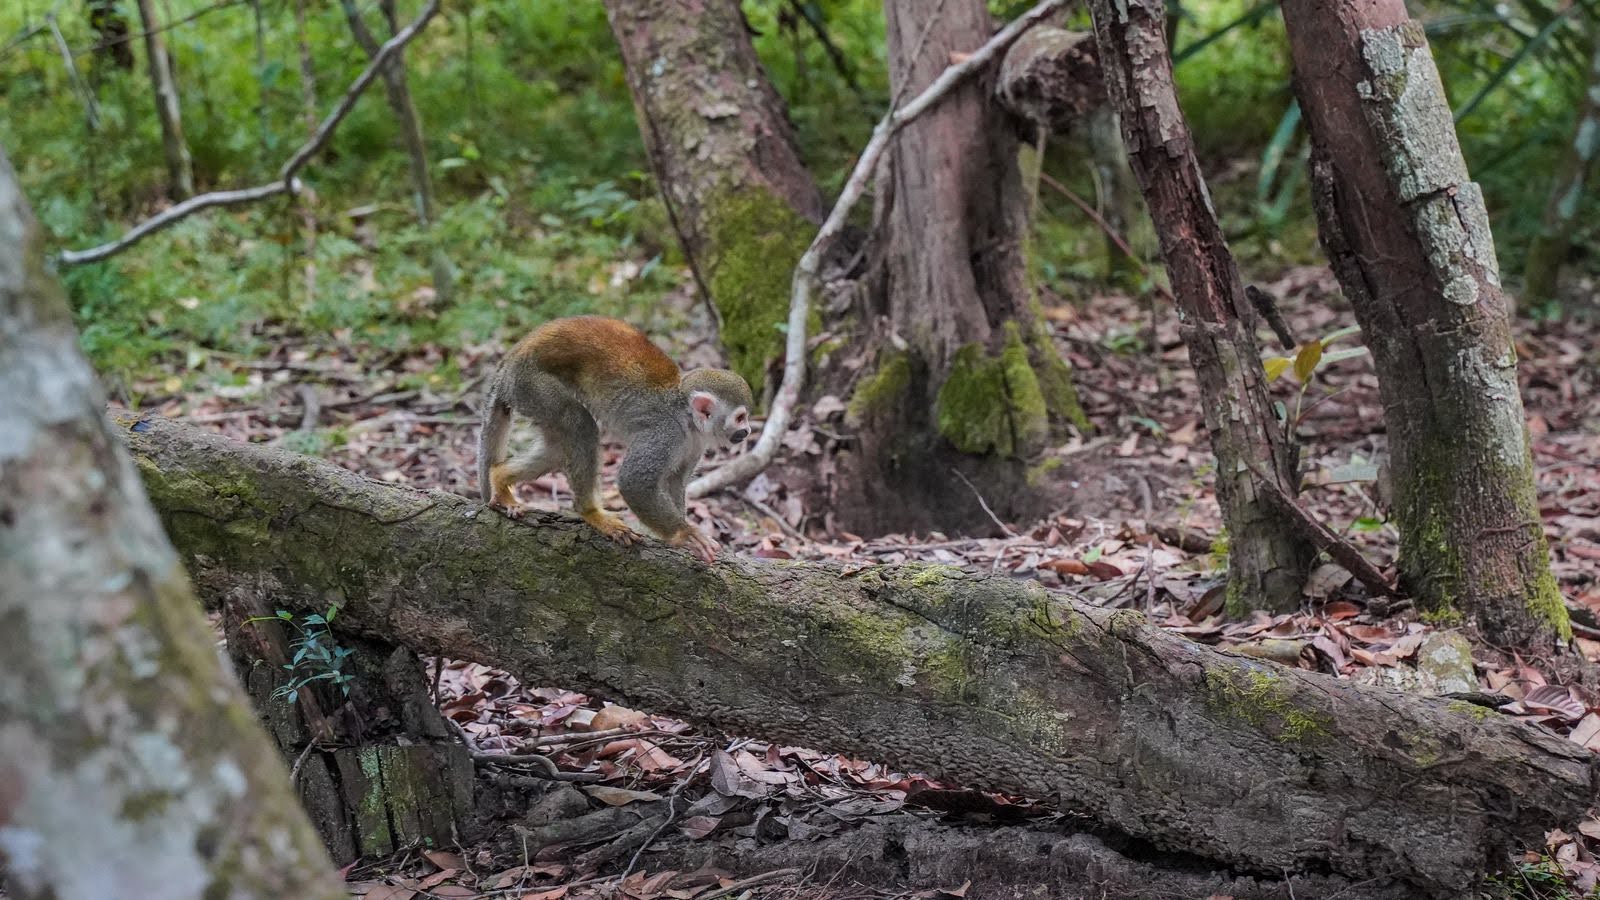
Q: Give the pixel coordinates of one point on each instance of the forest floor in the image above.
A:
(1139, 530)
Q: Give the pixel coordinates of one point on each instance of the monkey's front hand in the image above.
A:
(693, 540)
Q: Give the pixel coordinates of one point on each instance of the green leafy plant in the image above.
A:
(317, 656)
(1310, 357)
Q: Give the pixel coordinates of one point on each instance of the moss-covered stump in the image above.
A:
(377, 770)
(1235, 763)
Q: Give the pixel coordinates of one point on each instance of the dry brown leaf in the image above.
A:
(552, 894)
(617, 717)
(1556, 699)
(445, 859)
(390, 892)
(696, 827)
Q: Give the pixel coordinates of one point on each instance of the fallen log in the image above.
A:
(1220, 760)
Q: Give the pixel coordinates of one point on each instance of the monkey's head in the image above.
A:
(719, 404)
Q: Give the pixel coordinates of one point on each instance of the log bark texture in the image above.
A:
(1267, 560)
(129, 762)
(1407, 235)
(984, 681)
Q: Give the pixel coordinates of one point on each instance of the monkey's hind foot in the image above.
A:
(693, 540)
(512, 510)
(612, 527)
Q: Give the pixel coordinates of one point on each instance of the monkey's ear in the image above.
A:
(702, 403)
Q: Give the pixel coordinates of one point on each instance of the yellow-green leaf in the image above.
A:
(1275, 367)
(1305, 362)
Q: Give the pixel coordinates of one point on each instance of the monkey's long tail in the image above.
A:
(492, 441)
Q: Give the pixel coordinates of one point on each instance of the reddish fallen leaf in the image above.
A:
(1556, 699)
(1104, 571)
(617, 717)
(452, 890)
(1339, 610)
(697, 827)
(445, 859)
(390, 892)
(1065, 566)
(552, 894)
(1590, 828)
(772, 553)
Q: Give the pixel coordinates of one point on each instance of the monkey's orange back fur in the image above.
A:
(566, 348)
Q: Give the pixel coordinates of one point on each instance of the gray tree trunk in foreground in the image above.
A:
(1407, 234)
(983, 681)
(130, 764)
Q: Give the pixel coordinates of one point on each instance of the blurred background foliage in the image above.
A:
(545, 203)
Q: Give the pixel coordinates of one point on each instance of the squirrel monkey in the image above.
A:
(573, 377)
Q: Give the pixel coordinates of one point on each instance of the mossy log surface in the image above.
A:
(988, 682)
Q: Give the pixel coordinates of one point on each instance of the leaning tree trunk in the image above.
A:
(1267, 561)
(724, 155)
(129, 762)
(1408, 237)
(180, 169)
(961, 374)
(1226, 761)
(1548, 252)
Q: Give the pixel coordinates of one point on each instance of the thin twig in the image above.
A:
(983, 503)
(287, 183)
(91, 108)
(752, 881)
(767, 510)
(672, 815)
(1110, 232)
(294, 773)
(806, 271)
(1338, 549)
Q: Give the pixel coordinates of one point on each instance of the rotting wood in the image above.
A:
(983, 681)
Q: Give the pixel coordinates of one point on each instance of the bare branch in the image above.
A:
(806, 271)
(139, 35)
(287, 183)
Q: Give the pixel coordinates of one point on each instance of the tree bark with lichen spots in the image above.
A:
(724, 155)
(1407, 234)
(1267, 559)
(989, 682)
(130, 763)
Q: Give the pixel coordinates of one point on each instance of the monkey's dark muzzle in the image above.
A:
(739, 436)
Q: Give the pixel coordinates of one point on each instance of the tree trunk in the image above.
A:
(110, 27)
(988, 682)
(1267, 560)
(725, 158)
(405, 113)
(180, 169)
(961, 375)
(1408, 237)
(378, 769)
(1548, 252)
(129, 764)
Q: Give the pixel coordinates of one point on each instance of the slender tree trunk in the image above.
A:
(308, 110)
(130, 764)
(1267, 562)
(1408, 237)
(1221, 761)
(725, 158)
(1548, 252)
(180, 169)
(398, 92)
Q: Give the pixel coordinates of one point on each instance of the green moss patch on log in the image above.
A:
(1263, 700)
(754, 243)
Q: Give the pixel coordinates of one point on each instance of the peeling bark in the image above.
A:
(989, 682)
(130, 764)
(1267, 560)
(1407, 234)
